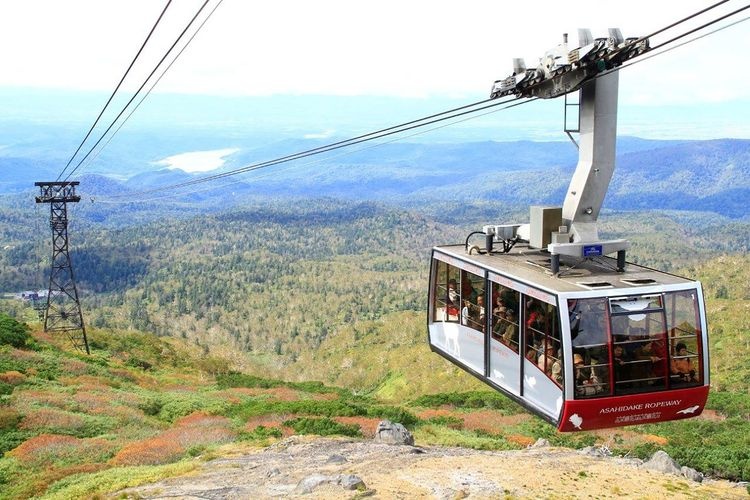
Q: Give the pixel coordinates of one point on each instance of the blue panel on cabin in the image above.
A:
(592, 250)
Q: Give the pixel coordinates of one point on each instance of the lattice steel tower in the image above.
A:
(63, 311)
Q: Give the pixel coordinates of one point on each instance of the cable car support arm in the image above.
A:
(588, 68)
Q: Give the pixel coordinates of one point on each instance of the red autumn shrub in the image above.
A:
(53, 420)
(92, 402)
(42, 445)
(490, 420)
(367, 425)
(28, 400)
(9, 418)
(271, 422)
(86, 382)
(200, 429)
(74, 367)
(13, 377)
(55, 449)
(193, 430)
(152, 451)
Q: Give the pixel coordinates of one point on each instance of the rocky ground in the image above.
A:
(330, 468)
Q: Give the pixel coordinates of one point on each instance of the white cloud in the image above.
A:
(391, 47)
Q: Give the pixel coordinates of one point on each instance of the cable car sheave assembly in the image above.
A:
(543, 312)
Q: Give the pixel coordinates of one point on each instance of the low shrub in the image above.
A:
(9, 419)
(13, 333)
(322, 427)
(730, 404)
(153, 451)
(537, 428)
(470, 399)
(5, 389)
(12, 377)
(394, 414)
(196, 431)
(100, 483)
(151, 406)
(42, 365)
(54, 421)
(317, 388)
(50, 449)
(261, 432)
(444, 420)
(10, 439)
(168, 407)
(444, 436)
(254, 408)
(235, 379)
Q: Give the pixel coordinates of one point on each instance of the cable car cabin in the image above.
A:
(587, 349)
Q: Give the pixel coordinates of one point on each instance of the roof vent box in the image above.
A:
(543, 222)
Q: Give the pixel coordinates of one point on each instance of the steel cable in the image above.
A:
(143, 45)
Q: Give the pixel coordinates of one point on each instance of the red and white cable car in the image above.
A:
(545, 315)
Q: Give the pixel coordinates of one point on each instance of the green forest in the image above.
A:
(222, 321)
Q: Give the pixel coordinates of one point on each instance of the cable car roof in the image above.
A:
(532, 267)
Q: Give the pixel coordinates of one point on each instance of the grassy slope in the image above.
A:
(143, 407)
(391, 357)
(726, 282)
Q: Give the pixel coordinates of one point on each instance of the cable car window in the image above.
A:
(590, 341)
(628, 305)
(684, 330)
(459, 296)
(639, 352)
(505, 315)
(472, 301)
(542, 338)
(447, 304)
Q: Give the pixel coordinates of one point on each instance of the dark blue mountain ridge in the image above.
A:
(685, 175)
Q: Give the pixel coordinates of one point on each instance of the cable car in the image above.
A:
(592, 347)
(554, 317)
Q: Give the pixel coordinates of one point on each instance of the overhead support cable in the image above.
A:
(143, 45)
(652, 54)
(333, 146)
(140, 88)
(684, 19)
(627, 64)
(703, 26)
(156, 82)
(371, 146)
(429, 119)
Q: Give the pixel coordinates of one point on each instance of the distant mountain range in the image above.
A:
(712, 176)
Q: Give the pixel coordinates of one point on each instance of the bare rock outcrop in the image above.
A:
(393, 433)
(315, 468)
(346, 481)
(662, 462)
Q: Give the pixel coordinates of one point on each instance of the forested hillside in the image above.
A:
(275, 279)
(318, 289)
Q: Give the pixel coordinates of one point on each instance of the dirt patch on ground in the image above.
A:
(323, 468)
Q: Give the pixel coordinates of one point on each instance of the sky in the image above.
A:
(343, 47)
(400, 59)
